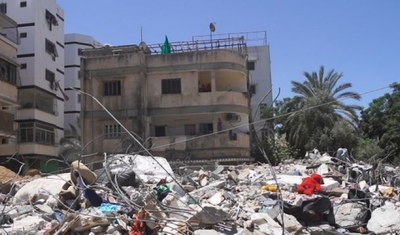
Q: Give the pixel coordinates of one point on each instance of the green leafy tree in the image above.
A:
(381, 122)
(315, 110)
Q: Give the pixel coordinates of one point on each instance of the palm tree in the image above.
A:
(320, 106)
(70, 146)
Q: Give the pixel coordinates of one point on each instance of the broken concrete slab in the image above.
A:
(385, 220)
(350, 214)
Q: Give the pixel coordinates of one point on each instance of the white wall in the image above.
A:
(261, 77)
(73, 42)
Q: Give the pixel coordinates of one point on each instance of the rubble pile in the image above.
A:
(136, 194)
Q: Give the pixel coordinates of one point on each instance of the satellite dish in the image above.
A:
(212, 27)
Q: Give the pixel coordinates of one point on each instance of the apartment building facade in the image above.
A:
(74, 45)
(191, 104)
(259, 72)
(41, 57)
(9, 81)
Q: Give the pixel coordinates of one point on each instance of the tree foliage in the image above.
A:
(381, 122)
(316, 117)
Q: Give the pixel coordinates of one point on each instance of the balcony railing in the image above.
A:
(217, 141)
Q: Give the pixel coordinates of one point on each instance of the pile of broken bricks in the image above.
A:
(241, 199)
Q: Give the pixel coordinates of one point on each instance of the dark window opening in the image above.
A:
(51, 77)
(171, 86)
(22, 4)
(112, 88)
(8, 72)
(3, 8)
(23, 66)
(232, 136)
(253, 89)
(160, 131)
(190, 129)
(251, 65)
(80, 51)
(23, 35)
(51, 48)
(112, 131)
(205, 128)
(51, 19)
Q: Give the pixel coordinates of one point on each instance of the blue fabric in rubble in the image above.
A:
(109, 207)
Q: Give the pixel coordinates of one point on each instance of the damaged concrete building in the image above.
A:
(191, 104)
(9, 81)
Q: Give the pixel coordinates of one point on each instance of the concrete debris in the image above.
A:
(138, 194)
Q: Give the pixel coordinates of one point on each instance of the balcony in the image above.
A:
(201, 99)
(34, 98)
(223, 145)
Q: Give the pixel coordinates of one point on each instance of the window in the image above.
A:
(33, 98)
(79, 74)
(171, 86)
(80, 51)
(253, 89)
(51, 77)
(51, 19)
(51, 48)
(8, 72)
(112, 131)
(4, 141)
(251, 65)
(22, 4)
(3, 8)
(79, 98)
(23, 66)
(206, 128)
(160, 131)
(112, 88)
(264, 134)
(190, 129)
(36, 132)
(23, 35)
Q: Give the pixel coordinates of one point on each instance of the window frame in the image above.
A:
(206, 128)
(171, 86)
(51, 48)
(8, 72)
(112, 88)
(23, 35)
(112, 131)
(3, 8)
(251, 65)
(23, 4)
(34, 132)
(50, 19)
(253, 89)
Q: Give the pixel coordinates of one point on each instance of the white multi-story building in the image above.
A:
(74, 44)
(259, 67)
(41, 57)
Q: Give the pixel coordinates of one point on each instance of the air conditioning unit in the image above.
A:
(232, 117)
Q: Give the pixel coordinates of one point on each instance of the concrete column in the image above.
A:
(213, 85)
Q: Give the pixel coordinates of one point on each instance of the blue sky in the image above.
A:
(359, 38)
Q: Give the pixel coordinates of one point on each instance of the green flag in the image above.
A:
(166, 47)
